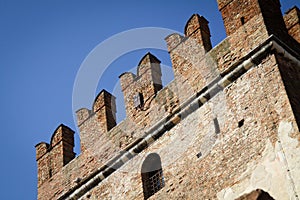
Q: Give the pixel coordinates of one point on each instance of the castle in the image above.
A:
(226, 127)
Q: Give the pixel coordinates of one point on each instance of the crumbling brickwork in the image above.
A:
(226, 127)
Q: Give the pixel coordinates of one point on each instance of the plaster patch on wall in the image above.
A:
(270, 173)
(290, 154)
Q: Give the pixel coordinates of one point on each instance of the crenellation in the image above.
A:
(51, 158)
(62, 133)
(273, 18)
(126, 79)
(237, 13)
(82, 115)
(41, 149)
(197, 28)
(234, 10)
(291, 17)
(223, 3)
(292, 22)
(98, 121)
(105, 107)
(141, 87)
(229, 119)
(173, 40)
(188, 56)
(148, 62)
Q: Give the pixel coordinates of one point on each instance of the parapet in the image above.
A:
(82, 114)
(41, 149)
(196, 68)
(292, 22)
(197, 28)
(127, 79)
(104, 103)
(99, 120)
(52, 157)
(104, 99)
(173, 41)
(187, 54)
(62, 134)
(139, 89)
(263, 14)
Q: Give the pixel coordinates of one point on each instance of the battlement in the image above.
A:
(197, 28)
(104, 101)
(237, 13)
(292, 22)
(188, 55)
(101, 118)
(140, 89)
(210, 97)
(52, 157)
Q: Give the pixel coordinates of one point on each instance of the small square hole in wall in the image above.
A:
(241, 123)
(199, 155)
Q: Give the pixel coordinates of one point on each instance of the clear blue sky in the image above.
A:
(42, 46)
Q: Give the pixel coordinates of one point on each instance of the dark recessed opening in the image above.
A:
(50, 173)
(241, 123)
(138, 100)
(152, 175)
(257, 194)
(243, 20)
(199, 155)
(217, 126)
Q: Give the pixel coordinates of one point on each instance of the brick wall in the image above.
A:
(292, 21)
(233, 141)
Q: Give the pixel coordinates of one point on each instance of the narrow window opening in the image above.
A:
(50, 173)
(243, 20)
(138, 100)
(217, 126)
(152, 175)
(241, 123)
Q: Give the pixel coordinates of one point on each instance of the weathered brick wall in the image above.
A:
(237, 13)
(239, 158)
(233, 162)
(52, 157)
(290, 72)
(69, 176)
(187, 54)
(145, 84)
(246, 137)
(97, 122)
